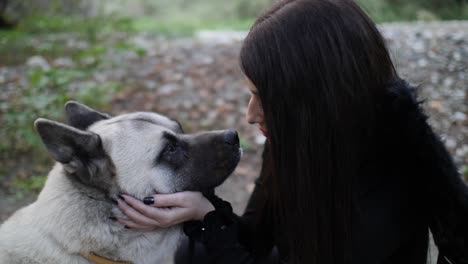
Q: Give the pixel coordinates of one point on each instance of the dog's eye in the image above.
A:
(171, 148)
(172, 143)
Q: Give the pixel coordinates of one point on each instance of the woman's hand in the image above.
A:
(163, 210)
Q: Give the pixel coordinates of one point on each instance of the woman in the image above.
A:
(353, 174)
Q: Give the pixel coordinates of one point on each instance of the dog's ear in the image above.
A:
(68, 145)
(80, 116)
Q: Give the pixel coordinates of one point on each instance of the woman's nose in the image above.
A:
(254, 112)
(250, 118)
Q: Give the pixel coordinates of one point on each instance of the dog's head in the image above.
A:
(138, 153)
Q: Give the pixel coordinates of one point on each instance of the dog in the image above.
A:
(97, 158)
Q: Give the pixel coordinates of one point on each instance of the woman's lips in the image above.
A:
(264, 132)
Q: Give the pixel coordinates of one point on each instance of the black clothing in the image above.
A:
(411, 186)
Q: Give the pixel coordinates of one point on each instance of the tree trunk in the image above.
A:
(4, 23)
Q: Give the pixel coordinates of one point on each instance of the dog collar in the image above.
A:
(101, 260)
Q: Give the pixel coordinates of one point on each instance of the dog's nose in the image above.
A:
(231, 137)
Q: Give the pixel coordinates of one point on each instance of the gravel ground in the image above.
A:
(198, 82)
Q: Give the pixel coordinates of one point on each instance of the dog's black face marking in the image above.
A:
(170, 137)
(198, 162)
(175, 152)
(205, 160)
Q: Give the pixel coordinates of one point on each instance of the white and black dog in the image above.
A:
(99, 157)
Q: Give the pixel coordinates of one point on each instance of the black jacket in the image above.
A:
(411, 186)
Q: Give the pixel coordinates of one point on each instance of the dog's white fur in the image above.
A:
(66, 221)
(52, 230)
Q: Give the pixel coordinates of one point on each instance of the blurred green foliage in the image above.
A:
(415, 10)
(182, 17)
(43, 93)
(177, 17)
(45, 96)
(245, 144)
(23, 187)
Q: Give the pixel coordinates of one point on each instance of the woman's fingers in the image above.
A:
(166, 210)
(138, 205)
(196, 204)
(136, 216)
(169, 200)
(134, 226)
(164, 217)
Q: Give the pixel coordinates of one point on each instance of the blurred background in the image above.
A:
(180, 58)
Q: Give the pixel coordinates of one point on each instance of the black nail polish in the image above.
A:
(113, 218)
(126, 227)
(121, 197)
(148, 200)
(114, 201)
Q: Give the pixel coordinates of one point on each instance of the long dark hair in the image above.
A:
(321, 68)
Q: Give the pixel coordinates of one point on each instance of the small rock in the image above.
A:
(219, 102)
(423, 63)
(448, 82)
(437, 105)
(457, 56)
(88, 60)
(462, 151)
(458, 36)
(230, 121)
(204, 93)
(75, 44)
(142, 42)
(427, 34)
(100, 77)
(150, 85)
(435, 77)
(168, 89)
(459, 117)
(450, 143)
(459, 94)
(38, 62)
(219, 37)
(63, 63)
(187, 105)
(203, 59)
(419, 46)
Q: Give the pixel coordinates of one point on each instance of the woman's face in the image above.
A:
(255, 109)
